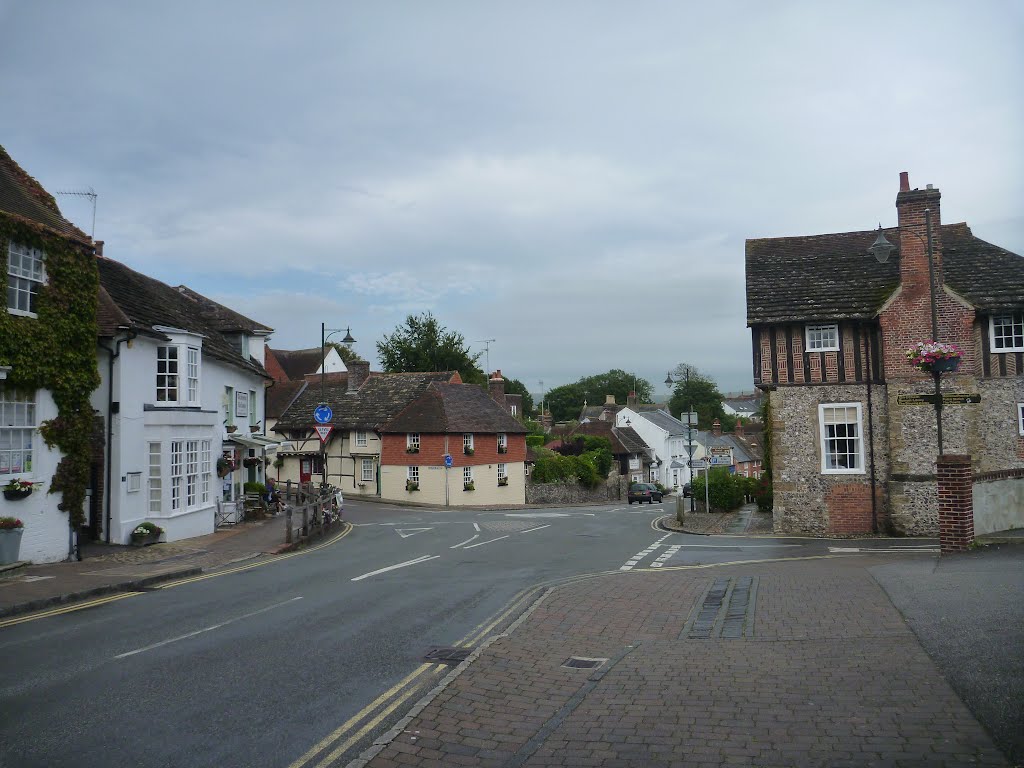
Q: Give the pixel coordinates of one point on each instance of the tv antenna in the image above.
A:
(487, 351)
(88, 192)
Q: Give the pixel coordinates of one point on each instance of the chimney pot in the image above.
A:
(358, 373)
(609, 399)
(904, 181)
(99, 248)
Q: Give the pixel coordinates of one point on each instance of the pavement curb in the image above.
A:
(106, 589)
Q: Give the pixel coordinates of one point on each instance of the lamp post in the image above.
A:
(689, 435)
(881, 249)
(325, 334)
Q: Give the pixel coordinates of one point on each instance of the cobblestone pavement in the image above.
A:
(803, 663)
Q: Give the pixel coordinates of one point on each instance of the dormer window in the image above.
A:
(822, 338)
(1007, 332)
(178, 371)
(26, 274)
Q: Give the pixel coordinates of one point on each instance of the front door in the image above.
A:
(305, 469)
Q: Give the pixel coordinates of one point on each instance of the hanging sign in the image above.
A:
(324, 430)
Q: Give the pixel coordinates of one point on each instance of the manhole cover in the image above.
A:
(450, 656)
(579, 662)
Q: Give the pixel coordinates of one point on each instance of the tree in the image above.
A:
(566, 402)
(516, 387)
(423, 344)
(695, 391)
(346, 352)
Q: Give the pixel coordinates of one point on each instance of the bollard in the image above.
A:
(680, 508)
(305, 521)
(288, 522)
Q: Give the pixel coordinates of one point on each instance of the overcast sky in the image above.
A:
(574, 180)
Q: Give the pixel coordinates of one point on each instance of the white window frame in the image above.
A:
(412, 474)
(467, 441)
(467, 474)
(25, 279)
(515, 409)
(191, 474)
(412, 441)
(360, 438)
(824, 439)
(206, 471)
(17, 428)
(367, 471)
(815, 340)
(192, 374)
(654, 474)
(253, 416)
(134, 482)
(155, 479)
(502, 442)
(177, 474)
(168, 380)
(503, 474)
(229, 401)
(1020, 418)
(1012, 327)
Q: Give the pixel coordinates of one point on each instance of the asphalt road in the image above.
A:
(303, 662)
(255, 668)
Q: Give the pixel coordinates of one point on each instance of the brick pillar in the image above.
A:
(956, 503)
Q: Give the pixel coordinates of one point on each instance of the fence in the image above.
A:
(309, 511)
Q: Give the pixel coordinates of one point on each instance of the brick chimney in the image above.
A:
(910, 211)
(98, 244)
(358, 372)
(496, 388)
(739, 428)
(631, 400)
(716, 428)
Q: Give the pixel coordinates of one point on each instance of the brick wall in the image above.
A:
(956, 504)
(432, 450)
(849, 508)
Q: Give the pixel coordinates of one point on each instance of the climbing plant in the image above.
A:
(56, 351)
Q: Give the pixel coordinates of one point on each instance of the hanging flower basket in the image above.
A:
(19, 489)
(935, 357)
(252, 461)
(225, 467)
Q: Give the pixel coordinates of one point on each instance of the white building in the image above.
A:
(182, 396)
(667, 437)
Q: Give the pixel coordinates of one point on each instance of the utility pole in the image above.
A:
(487, 352)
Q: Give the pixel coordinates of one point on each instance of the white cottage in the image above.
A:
(182, 396)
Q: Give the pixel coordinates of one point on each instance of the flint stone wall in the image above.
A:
(613, 489)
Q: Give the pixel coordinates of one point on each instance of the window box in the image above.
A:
(502, 449)
(412, 449)
(502, 481)
(410, 486)
(468, 487)
(468, 451)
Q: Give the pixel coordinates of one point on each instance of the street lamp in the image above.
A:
(325, 334)
(881, 249)
(689, 434)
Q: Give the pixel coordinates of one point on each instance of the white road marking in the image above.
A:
(477, 536)
(737, 546)
(205, 629)
(536, 514)
(486, 542)
(395, 567)
(884, 549)
(662, 559)
(537, 528)
(632, 562)
(476, 526)
(405, 533)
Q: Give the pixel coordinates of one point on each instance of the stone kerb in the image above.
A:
(956, 503)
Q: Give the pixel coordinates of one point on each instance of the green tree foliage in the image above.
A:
(695, 391)
(423, 344)
(587, 459)
(346, 352)
(566, 402)
(765, 495)
(725, 491)
(516, 387)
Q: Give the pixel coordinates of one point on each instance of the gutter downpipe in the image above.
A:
(871, 432)
(130, 333)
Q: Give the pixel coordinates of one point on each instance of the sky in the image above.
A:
(573, 180)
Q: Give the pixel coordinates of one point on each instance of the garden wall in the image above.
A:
(611, 490)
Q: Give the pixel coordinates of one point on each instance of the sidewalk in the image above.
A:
(803, 663)
(105, 568)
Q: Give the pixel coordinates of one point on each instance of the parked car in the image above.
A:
(687, 491)
(641, 492)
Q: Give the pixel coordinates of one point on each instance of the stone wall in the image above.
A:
(611, 490)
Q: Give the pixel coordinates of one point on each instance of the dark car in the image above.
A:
(687, 491)
(642, 492)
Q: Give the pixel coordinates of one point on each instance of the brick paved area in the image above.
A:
(824, 673)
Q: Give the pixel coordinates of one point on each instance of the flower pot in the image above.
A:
(945, 365)
(144, 539)
(17, 494)
(10, 544)
(231, 428)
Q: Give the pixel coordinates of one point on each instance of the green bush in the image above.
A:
(555, 468)
(725, 491)
(148, 527)
(763, 493)
(535, 441)
(258, 488)
(585, 470)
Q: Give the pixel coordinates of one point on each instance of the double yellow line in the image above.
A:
(343, 738)
(168, 585)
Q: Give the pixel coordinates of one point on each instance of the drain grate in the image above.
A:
(581, 662)
(727, 610)
(450, 656)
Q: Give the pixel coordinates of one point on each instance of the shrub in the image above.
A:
(535, 441)
(257, 488)
(763, 494)
(725, 491)
(146, 528)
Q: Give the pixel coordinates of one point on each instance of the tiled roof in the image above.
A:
(298, 362)
(375, 403)
(631, 440)
(833, 277)
(24, 197)
(624, 440)
(224, 319)
(670, 424)
(148, 303)
(109, 317)
(739, 451)
(454, 408)
(281, 395)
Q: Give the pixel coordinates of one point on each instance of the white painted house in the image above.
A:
(667, 437)
(182, 395)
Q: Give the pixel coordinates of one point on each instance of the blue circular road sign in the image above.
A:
(323, 413)
(447, 460)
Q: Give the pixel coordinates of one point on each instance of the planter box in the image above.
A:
(144, 539)
(10, 544)
(15, 495)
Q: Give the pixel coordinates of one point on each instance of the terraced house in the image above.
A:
(853, 439)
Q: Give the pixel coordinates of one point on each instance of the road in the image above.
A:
(305, 661)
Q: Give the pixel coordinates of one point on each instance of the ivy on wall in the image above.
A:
(56, 351)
